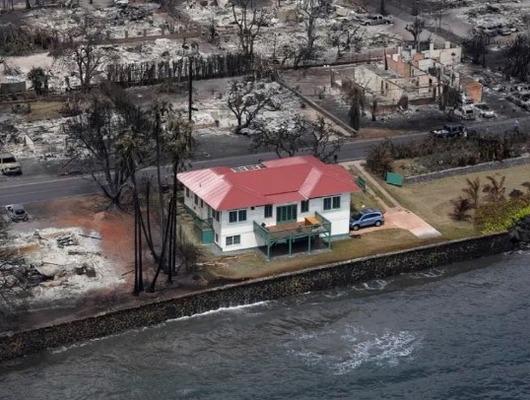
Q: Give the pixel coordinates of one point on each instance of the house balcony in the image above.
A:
(315, 226)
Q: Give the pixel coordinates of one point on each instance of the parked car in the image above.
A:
(367, 217)
(466, 112)
(9, 164)
(450, 130)
(376, 19)
(485, 111)
(16, 213)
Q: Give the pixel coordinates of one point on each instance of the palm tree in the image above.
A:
(495, 190)
(461, 208)
(472, 191)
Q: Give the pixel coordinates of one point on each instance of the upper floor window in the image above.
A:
(187, 192)
(304, 206)
(268, 211)
(237, 216)
(331, 202)
(196, 199)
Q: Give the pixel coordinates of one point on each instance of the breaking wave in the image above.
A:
(357, 347)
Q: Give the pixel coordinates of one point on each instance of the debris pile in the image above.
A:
(57, 264)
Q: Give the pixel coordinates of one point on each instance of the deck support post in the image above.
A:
(290, 240)
(309, 243)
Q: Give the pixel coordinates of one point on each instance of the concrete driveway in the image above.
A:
(399, 218)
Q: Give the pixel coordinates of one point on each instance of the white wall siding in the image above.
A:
(339, 219)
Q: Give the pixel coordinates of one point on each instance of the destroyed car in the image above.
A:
(485, 111)
(376, 20)
(16, 212)
(9, 164)
(466, 112)
(450, 130)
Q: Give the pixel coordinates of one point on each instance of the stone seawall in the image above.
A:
(318, 278)
(509, 162)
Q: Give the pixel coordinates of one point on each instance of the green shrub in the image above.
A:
(498, 217)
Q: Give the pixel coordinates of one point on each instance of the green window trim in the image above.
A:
(286, 213)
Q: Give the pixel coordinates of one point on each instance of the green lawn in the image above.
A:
(432, 200)
(253, 264)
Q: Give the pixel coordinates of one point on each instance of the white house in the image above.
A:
(279, 201)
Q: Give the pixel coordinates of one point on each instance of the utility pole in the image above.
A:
(190, 87)
(191, 50)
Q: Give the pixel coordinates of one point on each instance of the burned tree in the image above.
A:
(323, 141)
(173, 141)
(345, 35)
(297, 134)
(518, 58)
(81, 54)
(415, 29)
(249, 22)
(285, 139)
(310, 11)
(248, 98)
(39, 80)
(477, 48)
(99, 138)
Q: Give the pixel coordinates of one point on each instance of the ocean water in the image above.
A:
(458, 332)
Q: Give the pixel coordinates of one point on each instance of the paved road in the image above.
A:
(34, 189)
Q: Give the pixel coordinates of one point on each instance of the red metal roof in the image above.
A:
(279, 181)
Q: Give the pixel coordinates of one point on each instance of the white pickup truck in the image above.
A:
(376, 19)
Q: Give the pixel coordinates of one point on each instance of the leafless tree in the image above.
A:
(310, 12)
(345, 35)
(247, 98)
(297, 134)
(477, 47)
(323, 140)
(285, 139)
(518, 58)
(415, 29)
(103, 137)
(249, 22)
(81, 54)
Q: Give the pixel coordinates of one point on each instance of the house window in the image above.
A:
(230, 240)
(216, 238)
(304, 206)
(268, 211)
(331, 202)
(187, 192)
(286, 214)
(237, 216)
(202, 204)
(196, 199)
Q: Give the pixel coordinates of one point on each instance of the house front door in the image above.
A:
(285, 214)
